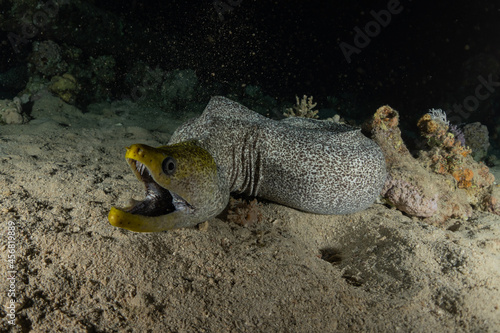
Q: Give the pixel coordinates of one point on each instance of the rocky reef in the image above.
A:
(65, 86)
(11, 112)
(443, 182)
(476, 137)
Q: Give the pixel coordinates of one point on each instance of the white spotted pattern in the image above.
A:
(316, 166)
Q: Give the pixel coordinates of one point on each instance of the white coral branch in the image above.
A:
(303, 108)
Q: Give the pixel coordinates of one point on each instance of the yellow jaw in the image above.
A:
(149, 157)
(179, 181)
(138, 223)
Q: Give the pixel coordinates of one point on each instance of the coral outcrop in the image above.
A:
(11, 112)
(491, 201)
(449, 156)
(65, 86)
(443, 182)
(46, 59)
(405, 187)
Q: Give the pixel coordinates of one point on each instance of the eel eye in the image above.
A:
(169, 165)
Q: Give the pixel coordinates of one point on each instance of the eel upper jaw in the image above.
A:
(159, 200)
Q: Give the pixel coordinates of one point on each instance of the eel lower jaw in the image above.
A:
(158, 201)
(157, 205)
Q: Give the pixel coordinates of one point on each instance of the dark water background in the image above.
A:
(412, 55)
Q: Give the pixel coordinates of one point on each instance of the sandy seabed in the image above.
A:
(373, 271)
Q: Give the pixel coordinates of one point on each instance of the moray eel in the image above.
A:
(315, 166)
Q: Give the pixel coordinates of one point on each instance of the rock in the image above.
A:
(65, 87)
(11, 112)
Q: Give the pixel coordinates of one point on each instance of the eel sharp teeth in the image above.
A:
(140, 167)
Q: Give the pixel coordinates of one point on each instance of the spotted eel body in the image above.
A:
(316, 166)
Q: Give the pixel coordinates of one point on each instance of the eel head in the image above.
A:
(181, 184)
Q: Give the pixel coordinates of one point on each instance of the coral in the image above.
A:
(463, 176)
(429, 126)
(484, 177)
(448, 155)
(409, 198)
(65, 87)
(386, 118)
(439, 116)
(405, 187)
(477, 138)
(458, 133)
(11, 112)
(46, 59)
(491, 201)
(443, 182)
(384, 127)
(302, 108)
(434, 127)
(447, 152)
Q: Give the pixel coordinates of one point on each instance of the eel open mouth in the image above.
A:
(159, 201)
